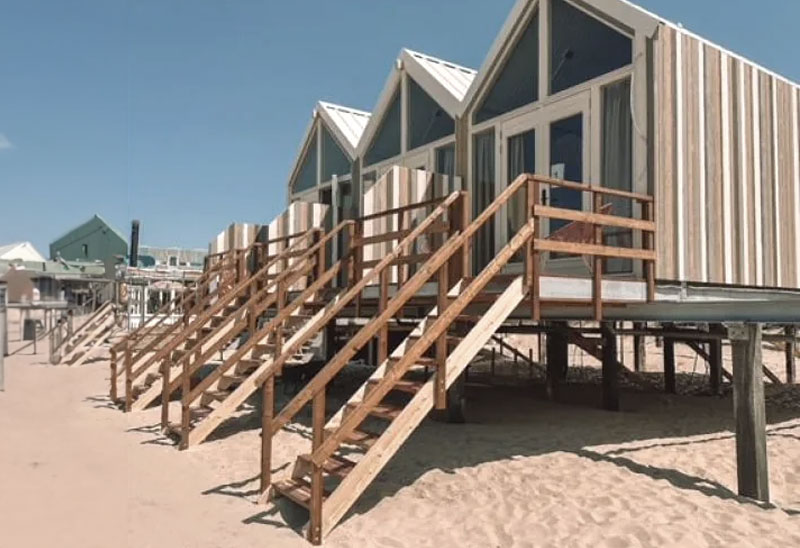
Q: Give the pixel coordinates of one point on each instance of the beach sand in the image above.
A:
(75, 472)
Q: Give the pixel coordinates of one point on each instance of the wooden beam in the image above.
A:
(750, 413)
(577, 248)
(715, 365)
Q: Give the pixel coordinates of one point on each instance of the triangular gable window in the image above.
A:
(518, 82)
(427, 121)
(582, 47)
(386, 143)
(334, 160)
(307, 174)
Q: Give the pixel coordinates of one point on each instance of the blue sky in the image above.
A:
(187, 114)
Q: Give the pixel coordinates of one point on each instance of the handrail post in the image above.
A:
(186, 388)
(383, 333)
(440, 388)
(128, 379)
(165, 392)
(318, 437)
(279, 304)
(649, 266)
(597, 261)
(536, 263)
(113, 392)
(267, 411)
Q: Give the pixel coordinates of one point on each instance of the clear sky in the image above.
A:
(187, 114)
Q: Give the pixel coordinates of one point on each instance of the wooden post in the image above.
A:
(165, 395)
(639, 348)
(440, 389)
(267, 410)
(113, 392)
(318, 430)
(128, 379)
(610, 369)
(186, 410)
(597, 264)
(748, 403)
(669, 364)
(715, 362)
(791, 349)
(383, 333)
(648, 241)
(536, 265)
(279, 302)
(557, 359)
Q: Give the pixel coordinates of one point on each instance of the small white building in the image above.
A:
(20, 251)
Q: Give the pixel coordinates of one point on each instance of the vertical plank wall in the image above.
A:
(298, 217)
(728, 167)
(399, 187)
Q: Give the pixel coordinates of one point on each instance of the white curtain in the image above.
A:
(618, 165)
(483, 195)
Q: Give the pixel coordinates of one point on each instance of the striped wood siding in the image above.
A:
(299, 217)
(399, 187)
(728, 168)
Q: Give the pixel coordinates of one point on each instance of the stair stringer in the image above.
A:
(105, 323)
(98, 343)
(202, 430)
(351, 487)
(155, 390)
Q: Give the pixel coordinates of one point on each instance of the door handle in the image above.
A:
(544, 196)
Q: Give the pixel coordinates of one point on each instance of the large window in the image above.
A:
(446, 161)
(386, 143)
(427, 121)
(582, 48)
(306, 178)
(483, 195)
(617, 165)
(518, 81)
(521, 159)
(334, 160)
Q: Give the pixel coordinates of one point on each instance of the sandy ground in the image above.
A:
(523, 472)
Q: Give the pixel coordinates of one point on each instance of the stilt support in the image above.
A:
(557, 358)
(748, 403)
(669, 365)
(610, 368)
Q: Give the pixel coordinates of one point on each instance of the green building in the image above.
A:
(94, 240)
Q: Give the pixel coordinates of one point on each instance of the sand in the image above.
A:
(75, 472)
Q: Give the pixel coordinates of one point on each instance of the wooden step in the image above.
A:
(383, 411)
(216, 321)
(422, 361)
(360, 438)
(231, 381)
(150, 378)
(210, 396)
(403, 385)
(296, 490)
(334, 466)
(262, 350)
(246, 366)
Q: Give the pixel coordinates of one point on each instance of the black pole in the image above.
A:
(134, 254)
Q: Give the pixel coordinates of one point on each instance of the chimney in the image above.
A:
(134, 255)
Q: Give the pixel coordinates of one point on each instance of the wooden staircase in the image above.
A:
(88, 338)
(212, 329)
(265, 355)
(326, 481)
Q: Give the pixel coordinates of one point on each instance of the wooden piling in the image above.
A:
(715, 364)
(791, 349)
(639, 348)
(557, 359)
(610, 369)
(748, 403)
(670, 386)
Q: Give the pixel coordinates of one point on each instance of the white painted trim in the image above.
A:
(796, 155)
(727, 196)
(776, 193)
(701, 63)
(757, 182)
(404, 110)
(319, 151)
(680, 187)
(744, 216)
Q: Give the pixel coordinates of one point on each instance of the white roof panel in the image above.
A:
(22, 251)
(349, 121)
(453, 78)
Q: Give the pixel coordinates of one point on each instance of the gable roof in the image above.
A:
(446, 83)
(95, 217)
(623, 12)
(344, 123)
(23, 251)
